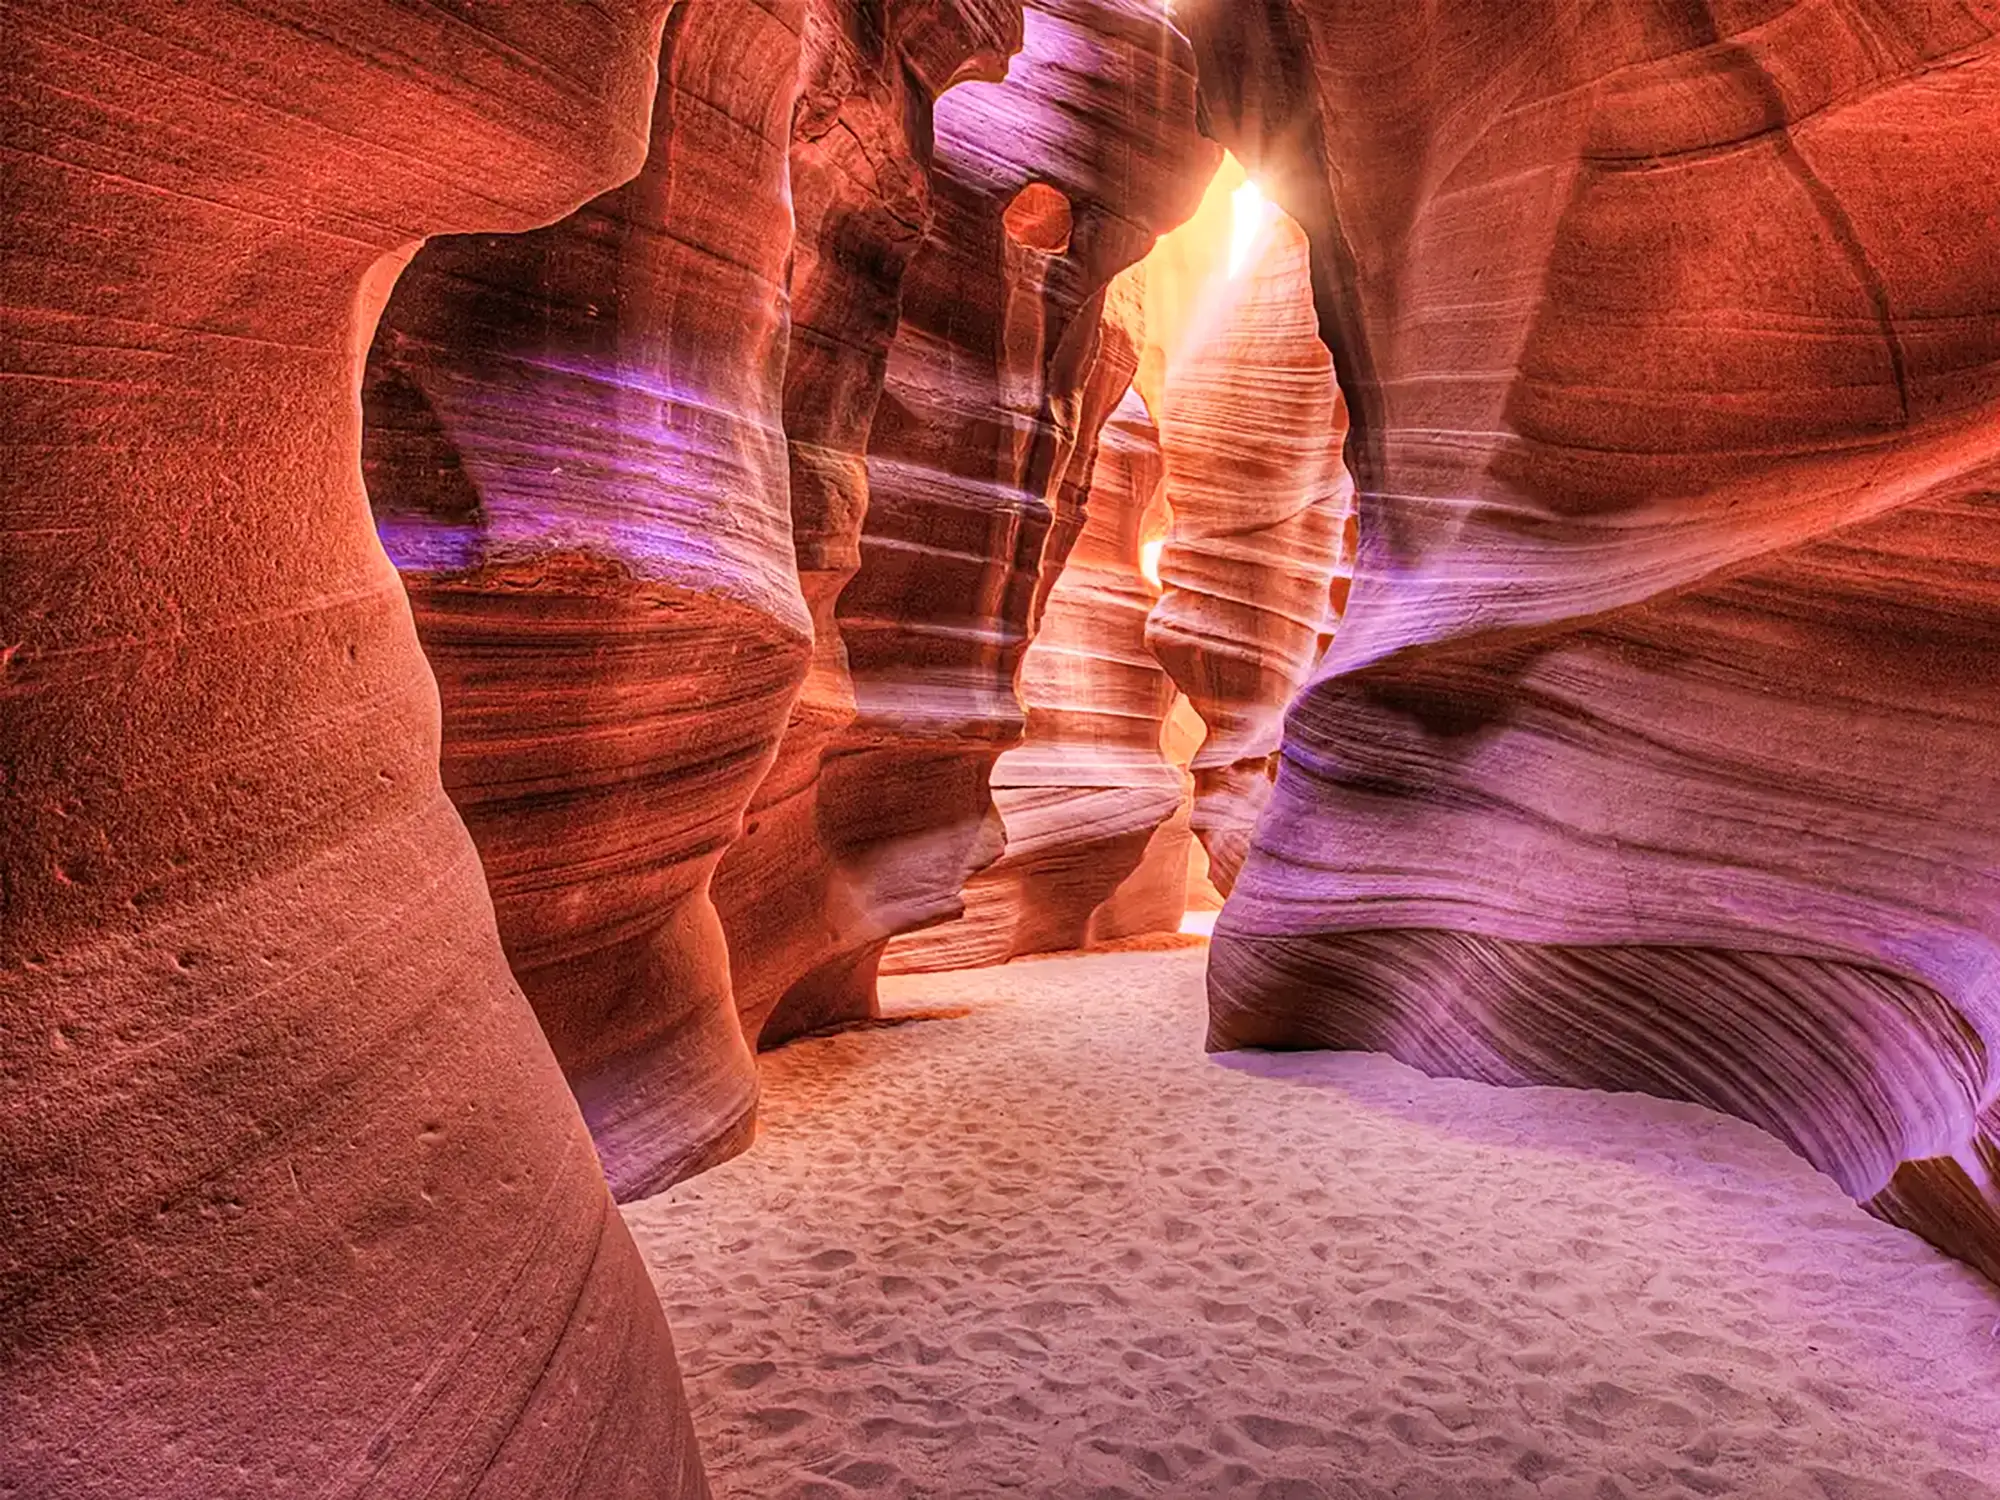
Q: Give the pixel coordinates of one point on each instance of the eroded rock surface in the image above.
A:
(1045, 187)
(1660, 750)
(1251, 424)
(576, 458)
(292, 1195)
(1082, 798)
(861, 164)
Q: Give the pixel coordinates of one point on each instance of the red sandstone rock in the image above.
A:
(575, 454)
(1081, 799)
(1180, 739)
(1046, 186)
(292, 1197)
(860, 167)
(1660, 751)
(1251, 426)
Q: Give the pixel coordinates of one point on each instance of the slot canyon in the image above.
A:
(960, 748)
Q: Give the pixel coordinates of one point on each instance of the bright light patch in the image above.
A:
(1149, 560)
(1251, 215)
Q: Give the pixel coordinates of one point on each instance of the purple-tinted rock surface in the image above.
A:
(1045, 187)
(575, 453)
(1661, 749)
(292, 1197)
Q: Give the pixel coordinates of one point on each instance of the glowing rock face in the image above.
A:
(1251, 427)
(575, 454)
(1662, 749)
(976, 463)
(861, 192)
(1086, 795)
(1251, 216)
(1238, 579)
(292, 1196)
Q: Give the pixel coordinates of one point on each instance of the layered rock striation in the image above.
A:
(1255, 563)
(861, 163)
(1660, 751)
(1045, 186)
(1083, 797)
(292, 1195)
(576, 455)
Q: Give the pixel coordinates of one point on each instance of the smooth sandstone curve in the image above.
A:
(1660, 748)
(1045, 186)
(575, 450)
(292, 1196)
(1255, 564)
(861, 167)
(1083, 796)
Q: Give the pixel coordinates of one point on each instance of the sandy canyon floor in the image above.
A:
(1047, 1248)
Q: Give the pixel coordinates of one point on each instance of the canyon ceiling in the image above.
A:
(545, 546)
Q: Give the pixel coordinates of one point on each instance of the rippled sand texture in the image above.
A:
(1047, 1248)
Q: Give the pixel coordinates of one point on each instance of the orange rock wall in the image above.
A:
(861, 166)
(292, 1195)
(1082, 797)
(1255, 562)
(1659, 750)
(574, 449)
(1045, 186)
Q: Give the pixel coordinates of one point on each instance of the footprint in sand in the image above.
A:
(1424, 1339)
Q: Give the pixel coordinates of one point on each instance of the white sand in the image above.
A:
(1050, 1249)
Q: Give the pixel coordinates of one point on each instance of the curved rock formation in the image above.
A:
(1082, 797)
(1180, 741)
(292, 1196)
(1046, 186)
(575, 451)
(861, 189)
(1661, 749)
(1251, 425)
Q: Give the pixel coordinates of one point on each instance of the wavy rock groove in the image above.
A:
(1086, 794)
(1660, 748)
(1044, 187)
(1250, 428)
(292, 1196)
(576, 458)
(861, 168)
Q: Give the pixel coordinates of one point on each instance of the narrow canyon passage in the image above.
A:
(1041, 1246)
(671, 671)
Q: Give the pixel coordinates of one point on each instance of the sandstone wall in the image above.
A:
(1045, 186)
(575, 452)
(292, 1196)
(1251, 425)
(862, 161)
(1082, 797)
(1659, 751)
